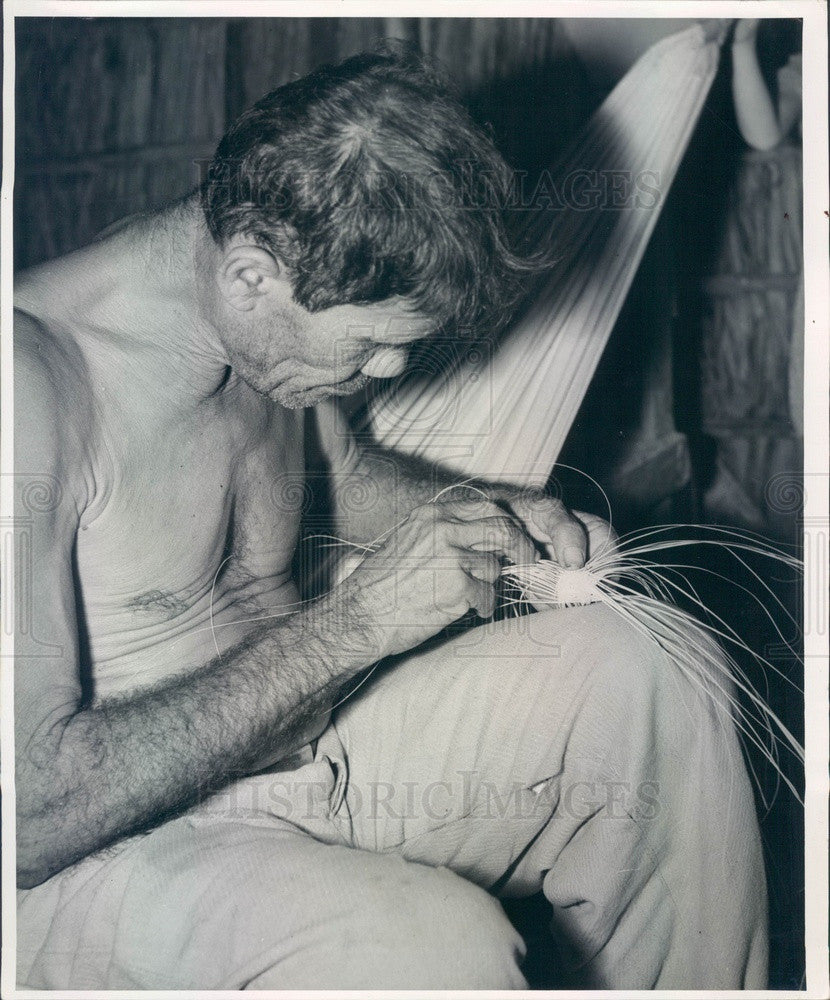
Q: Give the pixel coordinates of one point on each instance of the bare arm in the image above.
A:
(762, 125)
(89, 775)
(374, 489)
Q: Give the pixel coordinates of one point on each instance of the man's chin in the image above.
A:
(350, 386)
(310, 397)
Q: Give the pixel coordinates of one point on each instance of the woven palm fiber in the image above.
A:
(113, 116)
(748, 323)
(747, 338)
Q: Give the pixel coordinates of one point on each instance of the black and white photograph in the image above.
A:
(414, 498)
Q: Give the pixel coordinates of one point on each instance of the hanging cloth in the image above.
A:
(504, 414)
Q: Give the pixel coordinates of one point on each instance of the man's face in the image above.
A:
(298, 358)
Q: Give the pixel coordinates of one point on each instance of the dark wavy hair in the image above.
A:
(369, 180)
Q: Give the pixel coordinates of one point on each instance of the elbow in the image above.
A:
(30, 877)
(33, 875)
(36, 866)
(762, 136)
(37, 859)
(43, 844)
(34, 870)
(46, 839)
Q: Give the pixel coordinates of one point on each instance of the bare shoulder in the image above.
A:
(53, 425)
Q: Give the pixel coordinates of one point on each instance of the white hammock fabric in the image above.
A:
(506, 417)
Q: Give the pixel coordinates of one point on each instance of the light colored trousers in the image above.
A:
(561, 752)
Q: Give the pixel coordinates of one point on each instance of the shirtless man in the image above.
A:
(164, 380)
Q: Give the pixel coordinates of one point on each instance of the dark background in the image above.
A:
(687, 417)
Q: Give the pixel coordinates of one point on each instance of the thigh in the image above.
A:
(472, 729)
(460, 754)
(212, 902)
(570, 753)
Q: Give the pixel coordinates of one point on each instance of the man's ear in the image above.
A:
(247, 273)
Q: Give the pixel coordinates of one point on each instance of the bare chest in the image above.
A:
(193, 516)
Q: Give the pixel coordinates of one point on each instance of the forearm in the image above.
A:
(126, 764)
(372, 489)
(390, 485)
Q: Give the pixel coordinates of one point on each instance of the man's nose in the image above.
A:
(386, 363)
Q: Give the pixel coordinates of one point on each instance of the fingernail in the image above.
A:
(573, 556)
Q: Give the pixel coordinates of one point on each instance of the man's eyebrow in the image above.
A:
(407, 336)
(416, 329)
(396, 342)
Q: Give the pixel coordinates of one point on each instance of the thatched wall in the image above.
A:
(111, 116)
(748, 336)
(115, 115)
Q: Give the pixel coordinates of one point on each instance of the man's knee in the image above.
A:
(430, 929)
(598, 648)
(470, 943)
(404, 926)
(630, 702)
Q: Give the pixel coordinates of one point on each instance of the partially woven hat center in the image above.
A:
(546, 582)
(576, 586)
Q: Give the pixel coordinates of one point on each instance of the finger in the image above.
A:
(445, 512)
(602, 537)
(499, 535)
(566, 535)
(570, 542)
(543, 512)
(468, 510)
(482, 598)
(482, 566)
(469, 593)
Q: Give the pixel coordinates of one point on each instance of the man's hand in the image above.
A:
(441, 562)
(567, 537)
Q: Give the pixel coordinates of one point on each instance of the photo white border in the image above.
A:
(816, 402)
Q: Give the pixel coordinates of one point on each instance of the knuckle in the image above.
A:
(443, 531)
(502, 525)
(513, 529)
